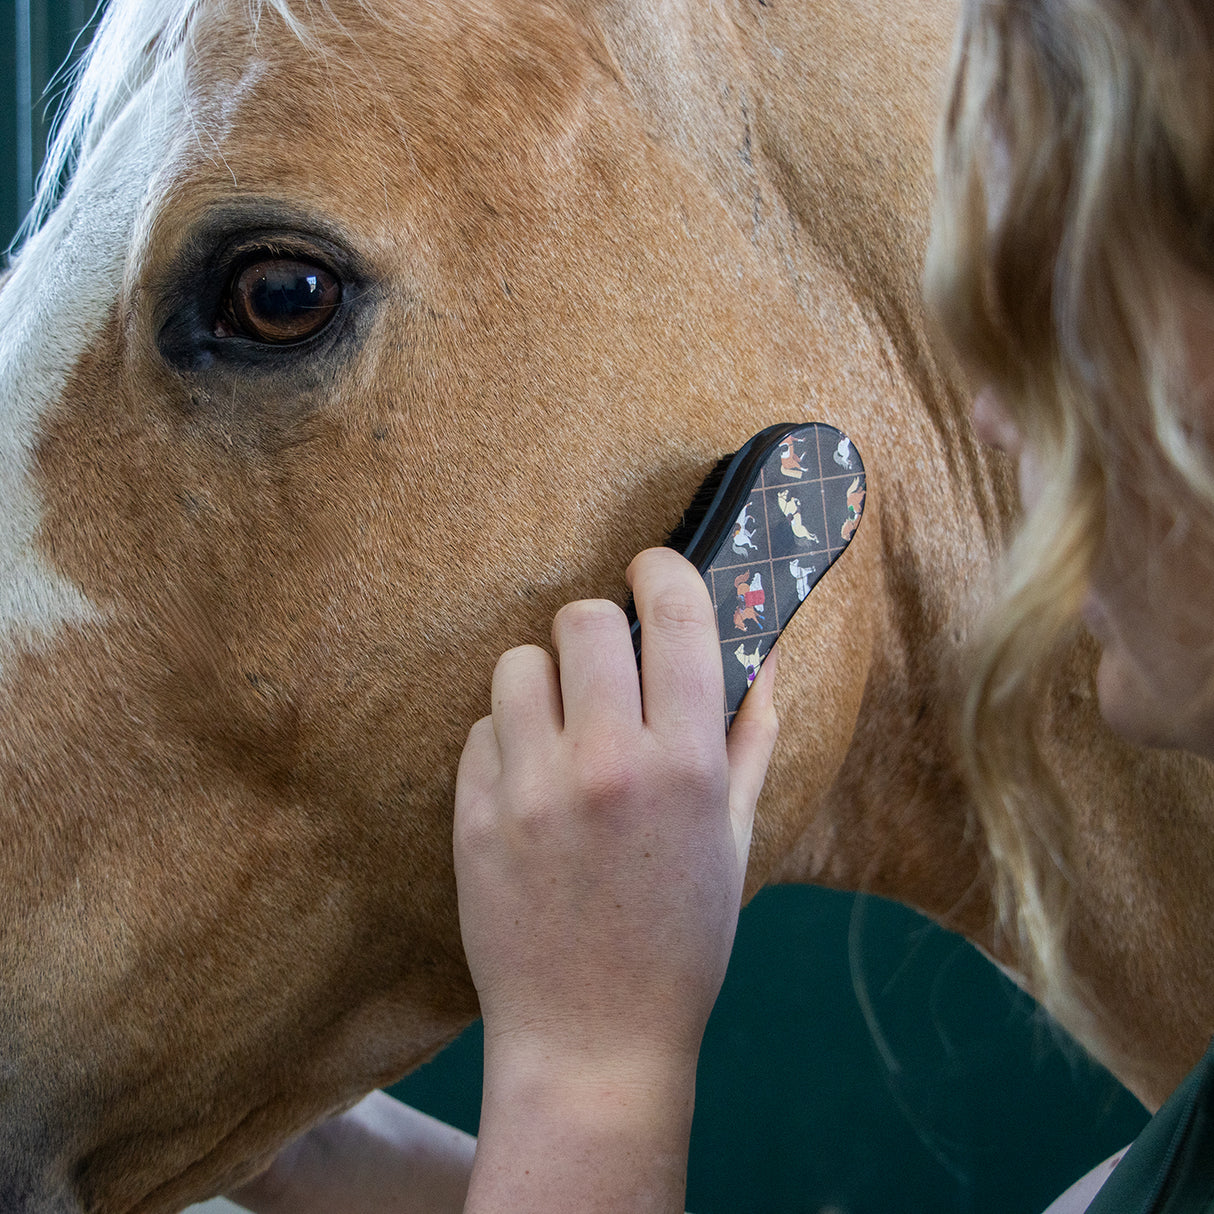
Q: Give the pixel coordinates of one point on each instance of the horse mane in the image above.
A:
(135, 40)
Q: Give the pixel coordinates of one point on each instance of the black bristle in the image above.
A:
(693, 516)
(685, 528)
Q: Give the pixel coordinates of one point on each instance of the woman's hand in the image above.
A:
(601, 836)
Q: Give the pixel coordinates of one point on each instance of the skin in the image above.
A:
(1150, 602)
(601, 838)
(381, 1155)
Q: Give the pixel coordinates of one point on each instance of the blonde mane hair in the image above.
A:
(134, 42)
(1076, 190)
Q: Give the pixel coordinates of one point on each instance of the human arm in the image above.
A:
(600, 844)
(381, 1156)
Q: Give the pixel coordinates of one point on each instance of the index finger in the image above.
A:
(682, 685)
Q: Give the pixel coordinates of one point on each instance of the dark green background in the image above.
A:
(860, 1060)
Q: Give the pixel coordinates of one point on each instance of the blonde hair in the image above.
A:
(1075, 192)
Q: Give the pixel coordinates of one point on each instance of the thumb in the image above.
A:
(752, 737)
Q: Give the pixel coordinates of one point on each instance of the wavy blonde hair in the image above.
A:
(1075, 190)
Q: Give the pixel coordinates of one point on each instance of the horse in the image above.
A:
(318, 299)
(750, 597)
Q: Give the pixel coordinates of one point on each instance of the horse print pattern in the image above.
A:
(802, 509)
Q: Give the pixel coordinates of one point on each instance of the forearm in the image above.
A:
(601, 834)
(381, 1156)
(587, 1139)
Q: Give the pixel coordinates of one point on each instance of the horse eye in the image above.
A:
(278, 300)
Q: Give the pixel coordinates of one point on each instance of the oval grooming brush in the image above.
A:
(765, 525)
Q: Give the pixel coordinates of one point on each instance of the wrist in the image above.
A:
(628, 1084)
(584, 1131)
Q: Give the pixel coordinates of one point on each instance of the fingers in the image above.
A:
(526, 706)
(680, 651)
(593, 685)
(526, 700)
(598, 674)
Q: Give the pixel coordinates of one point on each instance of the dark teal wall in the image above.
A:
(36, 39)
(860, 1061)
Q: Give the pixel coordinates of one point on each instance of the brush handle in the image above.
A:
(777, 515)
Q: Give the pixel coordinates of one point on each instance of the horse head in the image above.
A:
(362, 337)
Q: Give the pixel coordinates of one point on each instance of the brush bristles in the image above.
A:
(693, 516)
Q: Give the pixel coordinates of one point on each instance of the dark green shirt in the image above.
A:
(1169, 1168)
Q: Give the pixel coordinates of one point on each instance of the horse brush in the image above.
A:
(764, 526)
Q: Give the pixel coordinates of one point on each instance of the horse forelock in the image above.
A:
(136, 41)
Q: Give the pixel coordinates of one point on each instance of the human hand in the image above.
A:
(601, 837)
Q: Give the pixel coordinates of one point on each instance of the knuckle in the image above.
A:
(531, 799)
(759, 726)
(700, 766)
(474, 823)
(519, 662)
(496, 821)
(680, 611)
(608, 776)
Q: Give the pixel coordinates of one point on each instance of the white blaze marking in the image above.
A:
(52, 307)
